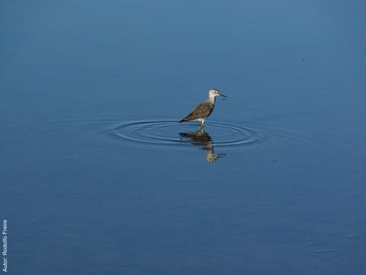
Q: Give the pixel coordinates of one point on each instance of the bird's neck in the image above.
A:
(212, 99)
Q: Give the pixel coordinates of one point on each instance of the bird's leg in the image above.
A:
(202, 124)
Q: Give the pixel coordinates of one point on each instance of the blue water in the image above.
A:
(98, 177)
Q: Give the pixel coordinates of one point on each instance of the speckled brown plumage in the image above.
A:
(202, 110)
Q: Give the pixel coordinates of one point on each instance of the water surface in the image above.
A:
(98, 176)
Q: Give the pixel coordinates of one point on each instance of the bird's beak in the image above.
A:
(224, 96)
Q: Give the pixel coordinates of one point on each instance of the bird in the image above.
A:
(204, 109)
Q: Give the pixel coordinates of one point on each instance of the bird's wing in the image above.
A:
(201, 110)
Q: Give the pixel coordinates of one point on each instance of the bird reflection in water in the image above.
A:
(201, 138)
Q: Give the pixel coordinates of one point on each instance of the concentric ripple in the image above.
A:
(171, 133)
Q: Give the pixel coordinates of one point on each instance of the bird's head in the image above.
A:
(215, 92)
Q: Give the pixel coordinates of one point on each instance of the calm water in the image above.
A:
(98, 177)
